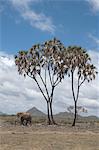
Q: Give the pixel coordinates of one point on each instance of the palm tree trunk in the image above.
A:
(75, 115)
(51, 111)
(48, 113)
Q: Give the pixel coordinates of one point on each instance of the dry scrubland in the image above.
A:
(85, 136)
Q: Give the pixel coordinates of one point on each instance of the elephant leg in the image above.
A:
(30, 122)
(22, 121)
(26, 122)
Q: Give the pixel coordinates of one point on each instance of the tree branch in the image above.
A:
(72, 74)
(50, 75)
(82, 82)
(57, 83)
(53, 78)
(44, 85)
(56, 80)
(51, 97)
(78, 87)
(39, 87)
(45, 75)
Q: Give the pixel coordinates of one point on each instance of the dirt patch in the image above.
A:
(47, 138)
(44, 137)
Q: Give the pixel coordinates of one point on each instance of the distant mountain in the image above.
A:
(64, 115)
(92, 117)
(1, 113)
(35, 112)
(67, 115)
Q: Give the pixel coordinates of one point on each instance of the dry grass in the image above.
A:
(43, 137)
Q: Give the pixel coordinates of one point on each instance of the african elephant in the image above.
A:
(25, 118)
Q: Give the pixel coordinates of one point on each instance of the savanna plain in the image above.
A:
(40, 136)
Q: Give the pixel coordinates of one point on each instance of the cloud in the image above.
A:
(16, 93)
(94, 5)
(95, 40)
(20, 94)
(37, 20)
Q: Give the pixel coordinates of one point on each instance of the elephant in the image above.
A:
(25, 118)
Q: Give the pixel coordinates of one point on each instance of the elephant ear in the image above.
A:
(19, 114)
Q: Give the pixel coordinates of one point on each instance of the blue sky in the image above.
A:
(24, 23)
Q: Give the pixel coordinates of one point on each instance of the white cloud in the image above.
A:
(95, 39)
(16, 93)
(19, 94)
(32, 93)
(37, 20)
(94, 5)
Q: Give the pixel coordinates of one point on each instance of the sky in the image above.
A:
(27, 22)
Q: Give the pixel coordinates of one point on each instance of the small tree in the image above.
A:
(80, 69)
(82, 109)
(43, 63)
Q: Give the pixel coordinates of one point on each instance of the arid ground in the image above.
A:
(39, 136)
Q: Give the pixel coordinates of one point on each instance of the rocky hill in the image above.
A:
(35, 112)
(1, 113)
(62, 115)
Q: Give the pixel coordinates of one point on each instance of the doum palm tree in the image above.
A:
(80, 69)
